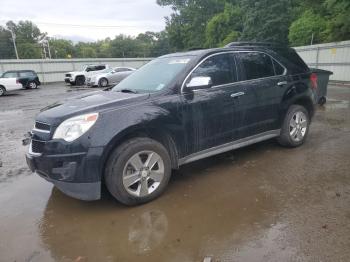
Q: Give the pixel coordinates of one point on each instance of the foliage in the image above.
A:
(309, 27)
(224, 27)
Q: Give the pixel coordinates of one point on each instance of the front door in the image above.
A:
(208, 114)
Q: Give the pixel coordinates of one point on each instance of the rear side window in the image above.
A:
(279, 70)
(26, 74)
(219, 68)
(256, 65)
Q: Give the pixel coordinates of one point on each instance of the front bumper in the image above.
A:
(68, 80)
(77, 175)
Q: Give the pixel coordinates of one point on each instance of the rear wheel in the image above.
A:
(138, 171)
(2, 90)
(103, 82)
(32, 85)
(295, 127)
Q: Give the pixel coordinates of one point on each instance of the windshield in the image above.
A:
(154, 76)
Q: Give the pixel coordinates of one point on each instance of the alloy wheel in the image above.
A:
(143, 173)
(298, 126)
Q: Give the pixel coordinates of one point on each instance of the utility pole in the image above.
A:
(14, 42)
(48, 46)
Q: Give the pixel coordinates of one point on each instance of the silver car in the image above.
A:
(111, 76)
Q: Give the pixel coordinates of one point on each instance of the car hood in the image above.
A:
(97, 101)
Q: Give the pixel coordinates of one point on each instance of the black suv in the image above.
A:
(28, 78)
(176, 109)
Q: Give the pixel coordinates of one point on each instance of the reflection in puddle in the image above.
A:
(148, 230)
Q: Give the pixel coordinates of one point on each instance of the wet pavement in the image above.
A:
(260, 203)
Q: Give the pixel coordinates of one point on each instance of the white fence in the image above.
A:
(52, 70)
(334, 57)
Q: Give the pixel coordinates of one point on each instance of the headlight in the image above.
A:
(74, 127)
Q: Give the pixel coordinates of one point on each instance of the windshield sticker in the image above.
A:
(179, 61)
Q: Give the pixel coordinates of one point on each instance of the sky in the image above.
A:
(87, 20)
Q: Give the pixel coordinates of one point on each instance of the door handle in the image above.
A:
(237, 94)
(282, 83)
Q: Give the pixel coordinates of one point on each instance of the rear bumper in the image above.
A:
(77, 175)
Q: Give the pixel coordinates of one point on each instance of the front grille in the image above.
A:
(37, 146)
(42, 126)
(68, 75)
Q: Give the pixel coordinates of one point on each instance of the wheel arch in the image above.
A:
(307, 103)
(158, 135)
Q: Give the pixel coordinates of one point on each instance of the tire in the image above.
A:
(103, 82)
(80, 80)
(129, 191)
(32, 85)
(2, 90)
(298, 117)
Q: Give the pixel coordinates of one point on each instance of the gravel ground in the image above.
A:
(260, 203)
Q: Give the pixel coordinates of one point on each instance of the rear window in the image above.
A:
(256, 65)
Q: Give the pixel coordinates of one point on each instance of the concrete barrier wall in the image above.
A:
(334, 57)
(53, 70)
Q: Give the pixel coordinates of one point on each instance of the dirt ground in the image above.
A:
(260, 203)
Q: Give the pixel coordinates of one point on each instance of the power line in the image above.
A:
(81, 25)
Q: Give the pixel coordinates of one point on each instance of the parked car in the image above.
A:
(177, 109)
(28, 78)
(111, 76)
(79, 77)
(9, 84)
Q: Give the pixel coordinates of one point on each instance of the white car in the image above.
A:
(79, 77)
(9, 84)
(110, 76)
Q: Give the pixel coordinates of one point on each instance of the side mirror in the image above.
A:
(199, 82)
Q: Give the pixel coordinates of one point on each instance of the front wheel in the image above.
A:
(138, 171)
(2, 90)
(80, 80)
(295, 127)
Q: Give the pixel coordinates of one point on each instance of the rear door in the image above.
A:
(264, 78)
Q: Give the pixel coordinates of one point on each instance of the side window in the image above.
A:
(102, 67)
(279, 70)
(219, 68)
(10, 75)
(256, 65)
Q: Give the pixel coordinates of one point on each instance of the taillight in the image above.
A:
(17, 81)
(313, 79)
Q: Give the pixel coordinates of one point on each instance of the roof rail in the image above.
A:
(233, 44)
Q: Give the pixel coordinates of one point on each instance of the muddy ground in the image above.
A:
(260, 203)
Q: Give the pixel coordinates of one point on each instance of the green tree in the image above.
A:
(6, 45)
(308, 26)
(61, 48)
(266, 20)
(224, 27)
(186, 26)
(339, 20)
